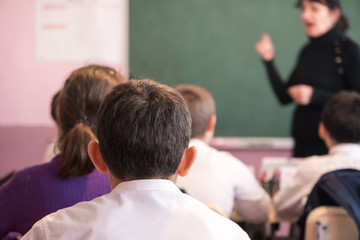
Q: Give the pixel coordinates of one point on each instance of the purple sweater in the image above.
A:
(35, 192)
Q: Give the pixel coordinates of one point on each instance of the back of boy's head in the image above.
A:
(144, 128)
(201, 106)
(79, 102)
(341, 117)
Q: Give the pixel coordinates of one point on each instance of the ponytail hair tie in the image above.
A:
(85, 120)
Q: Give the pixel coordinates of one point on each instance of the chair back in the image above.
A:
(330, 223)
(337, 188)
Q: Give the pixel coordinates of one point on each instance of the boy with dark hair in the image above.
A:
(340, 129)
(143, 132)
(217, 177)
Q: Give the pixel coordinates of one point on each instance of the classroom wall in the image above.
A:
(28, 82)
(23, 146)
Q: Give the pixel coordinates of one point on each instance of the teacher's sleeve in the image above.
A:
(278, 86)
(321, 96)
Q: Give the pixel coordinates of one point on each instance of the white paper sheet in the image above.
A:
(82, 31)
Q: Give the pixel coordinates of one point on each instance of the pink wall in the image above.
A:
(22, 147)
(26, 89)
(26, 84)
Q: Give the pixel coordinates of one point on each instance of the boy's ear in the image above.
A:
(211, 123)
(96, 157)
(323, 133)
(187, 161)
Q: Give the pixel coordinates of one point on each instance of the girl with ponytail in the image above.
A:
(70, 177)
(78, 104)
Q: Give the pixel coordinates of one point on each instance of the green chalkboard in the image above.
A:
(211, 43)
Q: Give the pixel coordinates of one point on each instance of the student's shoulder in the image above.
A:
(350, 49)
(312, 164)
(220, 226)
(80, 216)
(231, 160)
(349, 43)
(30, 174)
(224, 155)
(231, 164)
(305, 48)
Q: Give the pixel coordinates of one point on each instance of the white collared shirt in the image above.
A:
(139, 209)
(219, 178)
(290, 201)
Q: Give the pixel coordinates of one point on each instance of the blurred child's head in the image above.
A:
(201, 106)
(341, 117)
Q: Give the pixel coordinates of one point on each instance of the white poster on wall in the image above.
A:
(82, 31)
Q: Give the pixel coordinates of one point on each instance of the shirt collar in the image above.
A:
(147, 184)
(345, 148)
(197, 142)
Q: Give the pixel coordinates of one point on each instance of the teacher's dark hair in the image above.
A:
(342, 24)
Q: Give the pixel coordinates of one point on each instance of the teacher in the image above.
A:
(328, 63)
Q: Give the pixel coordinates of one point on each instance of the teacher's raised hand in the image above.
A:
(301, 94)
(265, 47)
